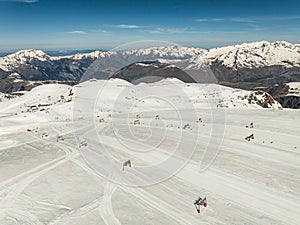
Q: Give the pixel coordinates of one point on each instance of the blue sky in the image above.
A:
(79, 24)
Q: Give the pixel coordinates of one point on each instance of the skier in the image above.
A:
(60, 138)
(44, 135)
(127, 163)
(248, 138)
(250, 126)
(83, 144)
(199, 202)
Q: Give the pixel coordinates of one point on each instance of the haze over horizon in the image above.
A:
(54, 25)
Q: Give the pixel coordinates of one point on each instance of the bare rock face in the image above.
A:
(151, 71)
(15, 84)
(287, 94)
(292, 102)
(261, 98)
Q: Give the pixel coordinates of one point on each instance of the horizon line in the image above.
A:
(91, 49)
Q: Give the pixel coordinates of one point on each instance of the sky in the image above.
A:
(102, 24)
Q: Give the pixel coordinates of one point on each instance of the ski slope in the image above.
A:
(44, 180)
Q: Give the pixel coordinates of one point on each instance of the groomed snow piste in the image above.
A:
(44, 178)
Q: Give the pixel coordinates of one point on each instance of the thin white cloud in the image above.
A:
(249, 19)
(127, 26)
(174, 31)
(167, 30)
(77, 32)
(237, 19)
(99, 31)
(210, 19)
(24, 1)
(278, 18)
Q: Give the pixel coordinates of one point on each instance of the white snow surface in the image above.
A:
(45, 181)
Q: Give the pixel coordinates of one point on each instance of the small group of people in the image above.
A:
(45, 135)
(127, 163)
(251, 136)
(248, 138)
(251, 125)
(200, 202)
(83, 144)
(60, 138)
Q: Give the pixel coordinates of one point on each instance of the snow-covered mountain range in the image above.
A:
(250, 65)
(233, 63)
(248, 55)
(257, 54)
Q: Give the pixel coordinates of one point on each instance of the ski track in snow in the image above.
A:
(106, 209)
(235, 189)
(21, 181)
(234, 183)
(263, 200)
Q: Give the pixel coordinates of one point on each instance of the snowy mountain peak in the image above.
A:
(14, 76)
(95, 54)
(256, 54)
(22, 57)
(239, 63)
(30, 54)
(172, 52)
(80, 56)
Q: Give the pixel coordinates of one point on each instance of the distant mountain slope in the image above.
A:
(261, 62)
(258, 65)
(287, 94)
(256, 54)
(151, 71)
(252, 62)
(37, 65)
